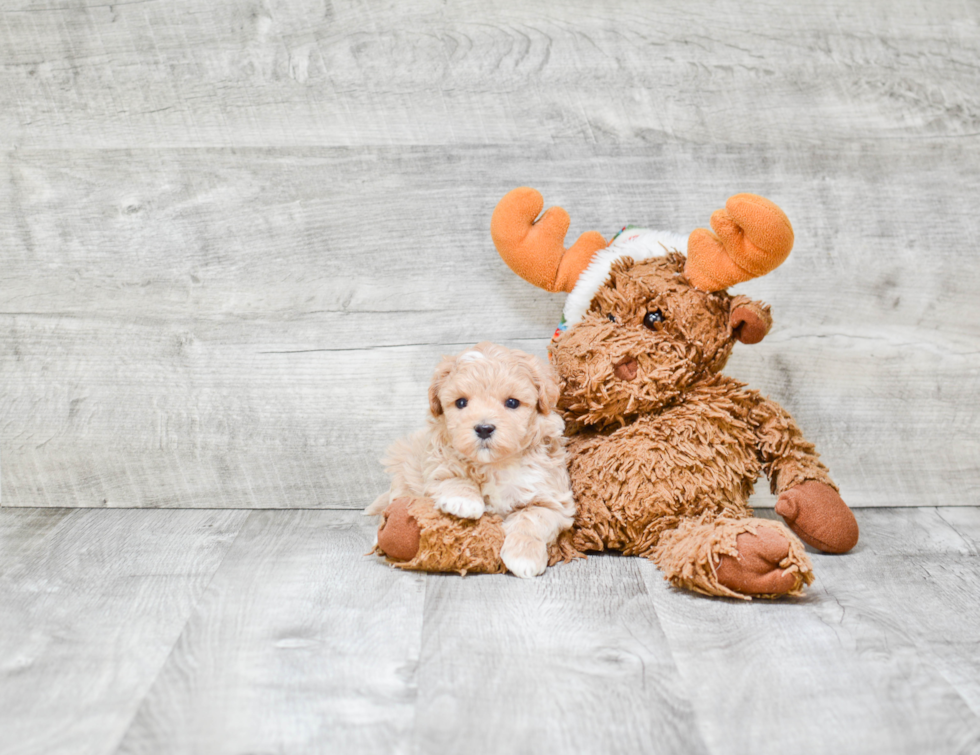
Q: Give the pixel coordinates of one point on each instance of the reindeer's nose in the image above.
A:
(484, 431)
(626, 370)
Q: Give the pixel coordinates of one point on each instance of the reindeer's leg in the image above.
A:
(415, 535)
(732, 557)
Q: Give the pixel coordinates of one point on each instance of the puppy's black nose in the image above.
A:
(484, 431)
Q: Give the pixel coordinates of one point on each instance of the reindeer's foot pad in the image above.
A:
(817, 513)
(415, 535)
(734, 558)
(763, 566)
(398, 534)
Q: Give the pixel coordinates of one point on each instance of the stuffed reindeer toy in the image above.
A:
(664, 450)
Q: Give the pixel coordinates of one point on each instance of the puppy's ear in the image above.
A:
(546, 383)
(749, 320)
(438, 378)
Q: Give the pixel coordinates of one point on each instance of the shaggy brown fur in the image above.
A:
(449, 543)
(664, 450)
(663, 464)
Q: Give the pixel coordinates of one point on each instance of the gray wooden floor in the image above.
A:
(236, 236)
(195, 631)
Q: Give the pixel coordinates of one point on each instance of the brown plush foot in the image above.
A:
(756, 570)
(399, 534)
(818, 515)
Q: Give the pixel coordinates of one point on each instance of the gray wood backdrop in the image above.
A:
(236, 236)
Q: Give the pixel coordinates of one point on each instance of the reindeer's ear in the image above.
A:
(438, 378)
(749, 320)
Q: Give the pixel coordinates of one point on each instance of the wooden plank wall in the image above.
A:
(236, 236)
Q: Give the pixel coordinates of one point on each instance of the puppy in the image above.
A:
(493, 444)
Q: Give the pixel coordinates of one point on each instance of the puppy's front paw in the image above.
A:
(524, 556)
(461, 506)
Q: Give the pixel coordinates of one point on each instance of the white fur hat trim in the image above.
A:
(636, 243)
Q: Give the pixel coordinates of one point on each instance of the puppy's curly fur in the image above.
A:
(494, 444)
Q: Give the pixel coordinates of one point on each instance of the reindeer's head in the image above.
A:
(643, 323)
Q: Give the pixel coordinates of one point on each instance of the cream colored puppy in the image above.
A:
(493, 444)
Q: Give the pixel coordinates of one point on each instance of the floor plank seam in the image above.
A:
(455, 345)
(969, 543)
(416, 744)
(183, 508)
(190, 614)
(70, 514)
(684, 678)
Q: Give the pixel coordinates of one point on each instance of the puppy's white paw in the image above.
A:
(524, 556)
(461, 506)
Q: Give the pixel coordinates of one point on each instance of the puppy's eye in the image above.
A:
(512, 403)
(612, 318)
(461, 403)
(652, 319)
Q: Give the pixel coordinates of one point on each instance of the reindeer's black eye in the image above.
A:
(461, 403)
(512, 403)
(612, 318)
(651, 319)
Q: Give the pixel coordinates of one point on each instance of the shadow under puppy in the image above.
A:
(493, 449)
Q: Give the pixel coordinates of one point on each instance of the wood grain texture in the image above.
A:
(252, 328)
(270, 631)
(134, 74)
(879, 657)
(301, 644)
(92, 604)
(235, 239)
(574, 661)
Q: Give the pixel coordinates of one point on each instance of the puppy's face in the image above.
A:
(492, 402)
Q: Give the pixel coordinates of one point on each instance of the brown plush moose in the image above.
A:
(664, 450)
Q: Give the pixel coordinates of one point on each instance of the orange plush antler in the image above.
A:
(754, 238)
(536, 250)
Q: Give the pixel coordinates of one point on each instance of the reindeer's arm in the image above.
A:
(809, 500)
(788, 458)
